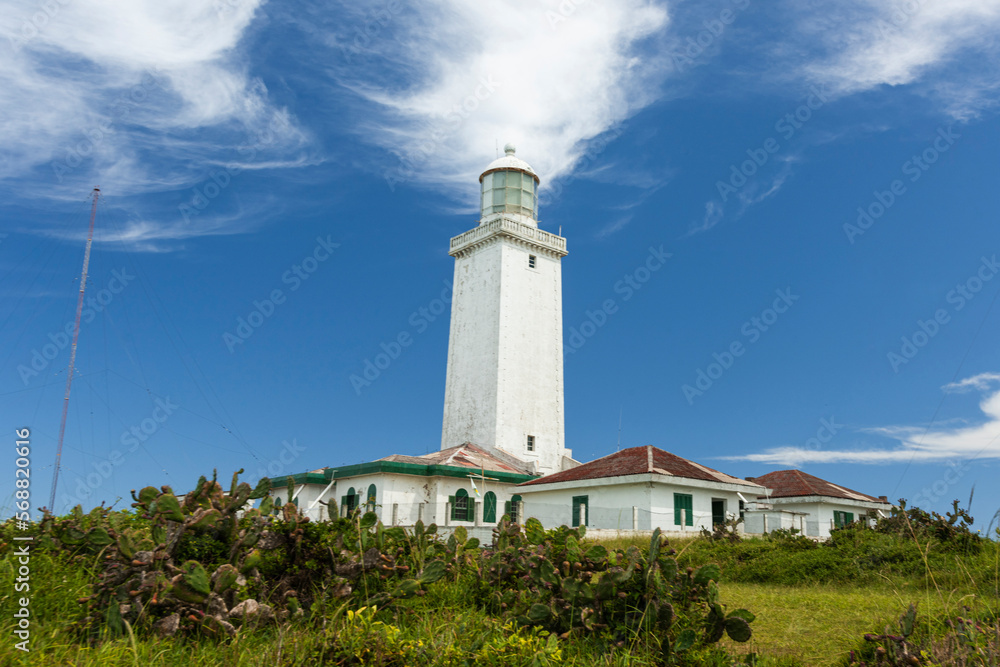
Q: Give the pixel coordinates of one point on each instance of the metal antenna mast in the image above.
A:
(72, 353)
(619, 447)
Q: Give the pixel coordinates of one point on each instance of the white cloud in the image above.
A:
(141, 96)
(713, 215)
(918, 444)
(484, 72)
(163, 236)
(981, 382)
(614, 226)
(868, 43)
(753, 193)
(765, 187)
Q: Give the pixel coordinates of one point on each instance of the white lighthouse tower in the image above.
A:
(504, 386)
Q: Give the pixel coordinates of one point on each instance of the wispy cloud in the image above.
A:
(980, 382)
(524, 71)
(714, 211)
(636, 178)
(753, 193)
(856, 46)
(141, 235)
(615, 225)
(151, 95)
(918, 444)
(145, 96)
(767, 186)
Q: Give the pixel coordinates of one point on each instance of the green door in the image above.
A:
(718, 511)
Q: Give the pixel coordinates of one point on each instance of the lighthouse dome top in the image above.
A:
(509, 161)
(509, 187)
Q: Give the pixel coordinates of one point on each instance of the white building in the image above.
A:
(503, 409)
(819, 506)
(504, 385)
(640, 488)
(465, 485)
(503, 422)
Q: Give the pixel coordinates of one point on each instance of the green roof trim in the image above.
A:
(398, 468)
(301, 478)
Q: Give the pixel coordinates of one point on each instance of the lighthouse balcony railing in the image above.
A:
(511, 226)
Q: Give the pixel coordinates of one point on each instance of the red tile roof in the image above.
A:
(639, 461)
(791, 483)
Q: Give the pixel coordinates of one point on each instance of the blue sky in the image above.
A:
(822, 175)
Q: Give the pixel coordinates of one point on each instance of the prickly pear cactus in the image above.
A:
(554, 579)
(148, 578)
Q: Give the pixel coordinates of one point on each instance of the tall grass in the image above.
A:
(813, 604)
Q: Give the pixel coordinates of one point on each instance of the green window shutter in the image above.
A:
(451, 505)
(490, 507)
(683, 501)
(581, 510)
(506, 508)
(471, 515)
(351, 500)
(848, 517)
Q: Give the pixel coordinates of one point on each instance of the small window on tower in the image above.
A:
(531, 443)
(531, 261)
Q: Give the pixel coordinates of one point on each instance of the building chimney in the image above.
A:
(884, 499)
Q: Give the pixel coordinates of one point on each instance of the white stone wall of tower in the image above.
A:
(530, 391)
(470, 404)
(505, 366)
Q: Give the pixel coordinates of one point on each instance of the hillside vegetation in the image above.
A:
(208, 580)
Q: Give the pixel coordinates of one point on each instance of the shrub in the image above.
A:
(549, 579)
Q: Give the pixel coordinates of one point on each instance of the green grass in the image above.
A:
(859, 558)
(813, 605)
(819, 625)
(444, 627)
(815, 602)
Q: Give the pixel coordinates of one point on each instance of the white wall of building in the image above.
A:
(632, 502)
(758, 522)
(826, 510)
(609, 506)
(402, 500)
(820, 511)
(702, 496)
(306, 494)
(612, 500)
